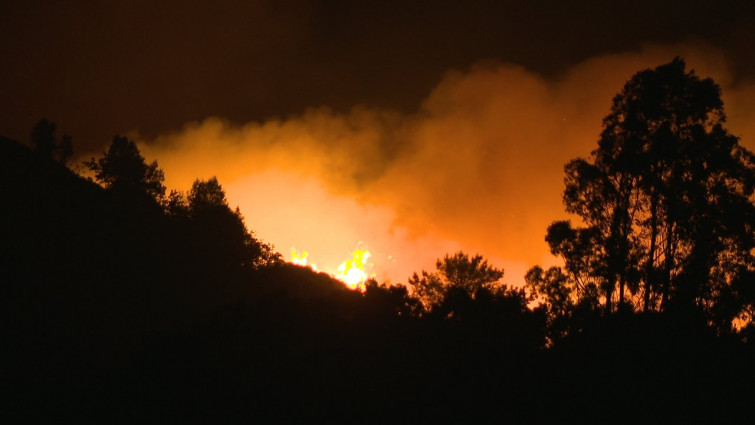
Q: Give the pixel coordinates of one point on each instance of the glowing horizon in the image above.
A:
(477, 168)
(353, 272)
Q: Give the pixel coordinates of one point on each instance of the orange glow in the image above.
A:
(478, 167)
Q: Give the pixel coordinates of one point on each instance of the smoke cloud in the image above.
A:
(478, 166)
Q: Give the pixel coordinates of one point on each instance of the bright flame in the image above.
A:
(300, 259)
(352, 272)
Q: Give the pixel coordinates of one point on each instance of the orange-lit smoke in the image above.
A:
(478, 167)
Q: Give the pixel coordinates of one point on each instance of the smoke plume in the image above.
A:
(478, 166)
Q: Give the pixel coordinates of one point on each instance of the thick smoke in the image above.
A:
(478, 167)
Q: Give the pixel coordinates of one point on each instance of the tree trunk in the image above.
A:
(650, 267)
(609, 295)
(621, 291)
(668, 262)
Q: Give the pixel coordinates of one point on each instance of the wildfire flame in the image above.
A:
(300, 259)
(353, 272)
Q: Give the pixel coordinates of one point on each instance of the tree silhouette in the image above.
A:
(390, 301)
(221, 231)
(44, 142)
(176, 205)
(554, 286)
(123, 170)
(456, 273)
(207, 195)
(665, 198)
(583, 259)
(43, 137)
(562, 298)
(65, 148)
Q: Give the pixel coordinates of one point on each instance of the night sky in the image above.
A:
(97, 68)
(412, 128)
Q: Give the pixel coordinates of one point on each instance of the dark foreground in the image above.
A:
(113, 312)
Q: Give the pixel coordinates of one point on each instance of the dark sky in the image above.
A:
(98, 68)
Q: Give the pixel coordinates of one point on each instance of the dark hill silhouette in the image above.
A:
(89, 276)
(105, 301)
(114, 310)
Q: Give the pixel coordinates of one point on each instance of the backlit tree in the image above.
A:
(123, 169)
(666, 199)
(455, 273)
